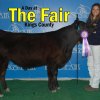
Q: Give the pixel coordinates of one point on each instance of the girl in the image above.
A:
(94, 41)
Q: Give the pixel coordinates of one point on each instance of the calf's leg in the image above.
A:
(52, 78)
(3, 68)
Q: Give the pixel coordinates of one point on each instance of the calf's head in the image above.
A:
(81, 26)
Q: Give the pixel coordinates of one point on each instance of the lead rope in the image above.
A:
(77, 48)
(77, 63)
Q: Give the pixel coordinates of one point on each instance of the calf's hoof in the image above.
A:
(58, 88)
(1, 95)
(53, 91)
(7, 90)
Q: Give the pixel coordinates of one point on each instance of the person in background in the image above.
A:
(93, 61)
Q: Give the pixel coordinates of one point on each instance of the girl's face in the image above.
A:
(95, 11)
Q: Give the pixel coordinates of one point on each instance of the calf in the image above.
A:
(53, 49)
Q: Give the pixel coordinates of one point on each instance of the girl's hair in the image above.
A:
(91, 15)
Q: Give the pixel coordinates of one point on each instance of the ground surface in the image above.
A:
(38, 90)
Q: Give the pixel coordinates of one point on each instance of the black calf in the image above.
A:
(53, 49)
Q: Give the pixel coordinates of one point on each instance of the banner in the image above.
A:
(65, 9)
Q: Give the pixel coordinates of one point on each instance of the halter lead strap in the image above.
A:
(78, 28)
